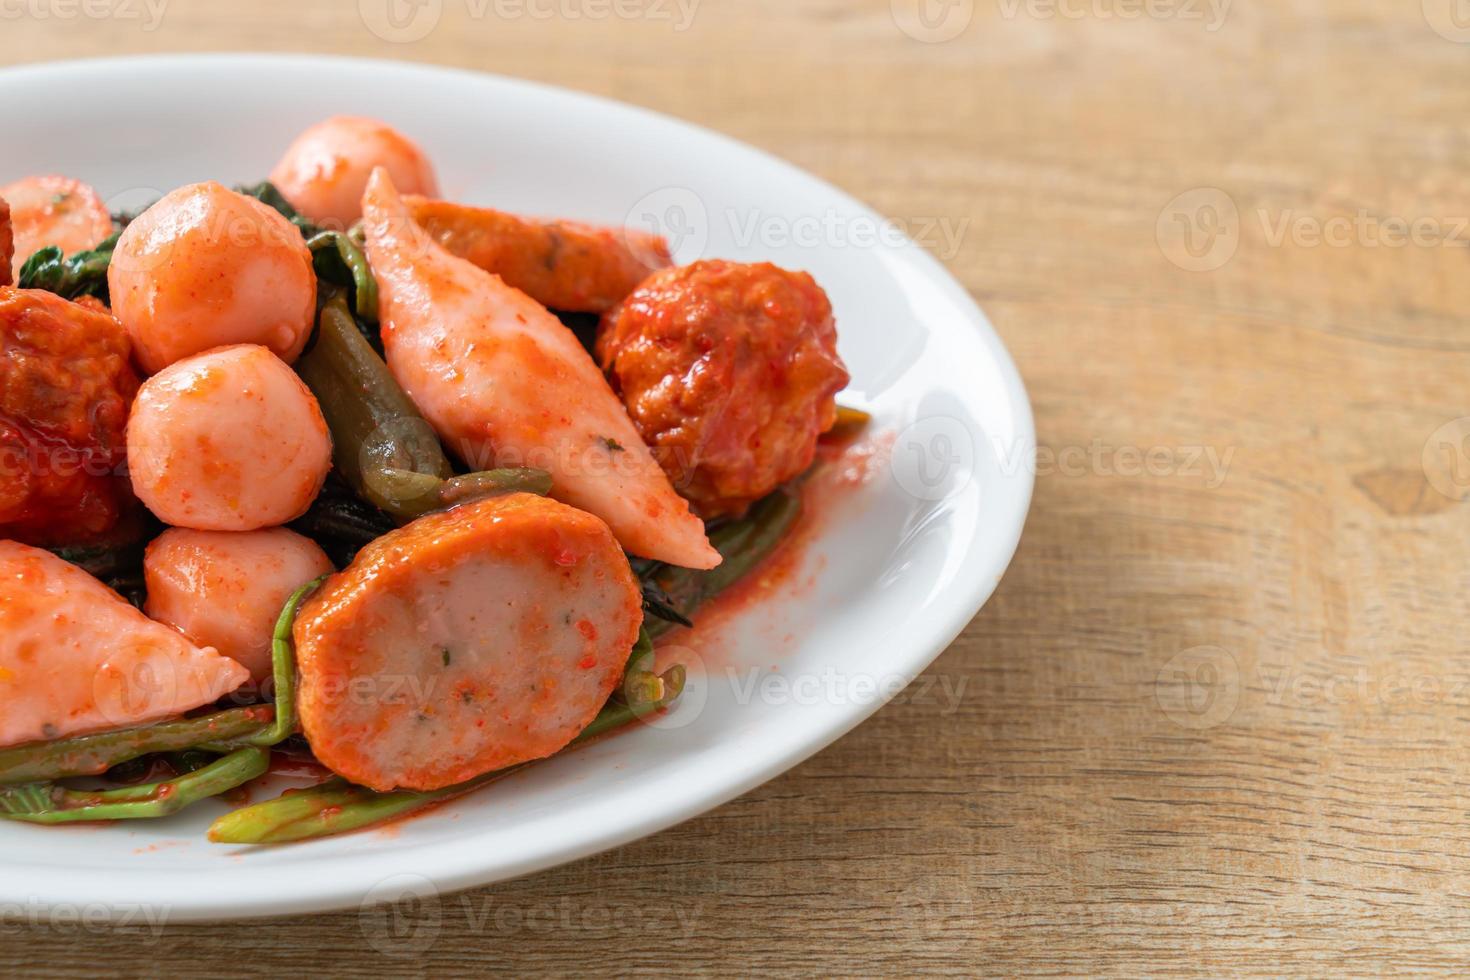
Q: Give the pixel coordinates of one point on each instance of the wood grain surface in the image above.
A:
(1215, 719)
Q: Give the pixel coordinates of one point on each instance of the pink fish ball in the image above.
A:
(324, 172)
(227, 440)
(225, 589)
(205, 267)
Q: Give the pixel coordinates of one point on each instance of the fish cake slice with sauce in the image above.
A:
(467, 641)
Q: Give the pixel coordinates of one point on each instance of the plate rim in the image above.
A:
(206, 905)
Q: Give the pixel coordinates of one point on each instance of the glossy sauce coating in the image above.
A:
(729, 371)
(65, 389)
(205, 267)
(565, 265)
(227, 440)
(225, 589)
(325, 170)
(75, 658)
(54, 210)
(504, 383)
(7, 243)
(469, 640)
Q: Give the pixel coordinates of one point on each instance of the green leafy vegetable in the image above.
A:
(82, 274)
(266, 193)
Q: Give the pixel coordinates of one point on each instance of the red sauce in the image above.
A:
(843, 467)
(297, 766)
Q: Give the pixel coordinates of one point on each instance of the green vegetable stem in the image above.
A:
(382, 446)
(283, 675)
(375, 427)
(242, 737)
(338, 259)
(337, 806)
(92, 755)
(744, 544)
(49, 804)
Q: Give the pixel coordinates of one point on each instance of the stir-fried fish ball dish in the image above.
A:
(314, 470)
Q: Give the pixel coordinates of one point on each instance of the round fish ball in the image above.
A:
(227, 440)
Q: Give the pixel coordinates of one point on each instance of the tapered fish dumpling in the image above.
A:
(504, 383)
(76, 658)
(565, 265)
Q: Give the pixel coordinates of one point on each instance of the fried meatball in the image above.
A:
(729, 371)
(65, 389)
(7, 243)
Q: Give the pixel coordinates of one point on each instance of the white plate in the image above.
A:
(895, 573)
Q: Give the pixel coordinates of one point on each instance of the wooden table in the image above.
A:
(1215, 718)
